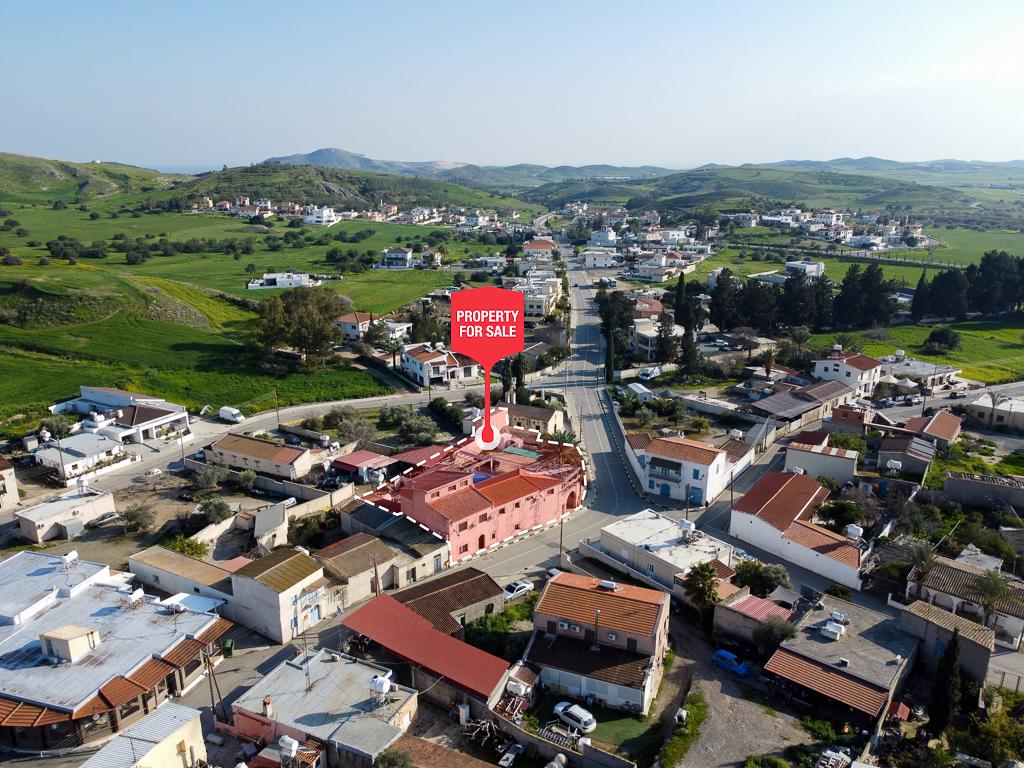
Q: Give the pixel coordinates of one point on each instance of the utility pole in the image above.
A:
(277, 406)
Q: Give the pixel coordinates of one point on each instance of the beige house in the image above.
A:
(263, 456)
(280, 595)
(628, 627)
(63, 516)
(545, 420)
(170, 736)
(8, 486)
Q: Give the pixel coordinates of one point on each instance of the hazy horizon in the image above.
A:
(196, 85)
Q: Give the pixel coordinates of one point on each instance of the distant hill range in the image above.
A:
(38, 179)
(507, 177)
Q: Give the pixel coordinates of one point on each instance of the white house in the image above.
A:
(80, 454)
(432, 364)
(950, 584)
(680, 468)
(397, 258)
(396, 329)
(599, 259)
(859, 372)
(640, 392)
(542, 248)
(8, 486)
(283, 280)
(604, 238)
(808, 269)
(322, 217)
(354, 325)
(839, 464)
(643, 337)
(775, 515)
(65, 515)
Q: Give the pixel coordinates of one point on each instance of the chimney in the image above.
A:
(268, 709)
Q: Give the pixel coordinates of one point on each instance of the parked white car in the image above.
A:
(575, 716)
(517, 589)
(154, 472)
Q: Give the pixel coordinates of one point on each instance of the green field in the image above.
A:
(991, 352)
(836, 266)
(967, 245)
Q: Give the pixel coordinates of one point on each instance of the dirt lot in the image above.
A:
(738, 725)
(111, 544)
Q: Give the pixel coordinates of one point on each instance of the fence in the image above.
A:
(588, 756)
(1006, 680)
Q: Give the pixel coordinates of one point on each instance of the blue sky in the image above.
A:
(200, 84)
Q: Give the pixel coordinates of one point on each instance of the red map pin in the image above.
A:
(487, 325)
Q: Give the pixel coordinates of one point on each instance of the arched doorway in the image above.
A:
(480, 542)
(571, 502)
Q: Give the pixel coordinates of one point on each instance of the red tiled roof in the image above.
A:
(684, 449)
(943, 425)
(407, 635)
(428, 454)
(461, 504)
(134, 415)
(626, 608)
(513, 486)
(779, 498)
(824, 542)
(438, 599)
(759, 608)
(862, 362)
(430, 480)
(539, 245)
(722, 571)
(811, 437)
(827, 682)
(356, 318)
(638, 440)
(18, 714)
(5, 464)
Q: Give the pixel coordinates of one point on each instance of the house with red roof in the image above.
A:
(427, 363)
(542, 248)
(453, 671)
(739, 615)
(478, 500)
(776, 515)
(859, 372)
(681, 468)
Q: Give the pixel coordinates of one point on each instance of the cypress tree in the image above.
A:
(945, 701)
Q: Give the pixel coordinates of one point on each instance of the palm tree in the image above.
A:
(997, 400)
(800, 335)
(701, 586)
(767, 362)
(990, 590)
(921, 560)
(394, 346)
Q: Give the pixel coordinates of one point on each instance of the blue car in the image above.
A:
(730, 663)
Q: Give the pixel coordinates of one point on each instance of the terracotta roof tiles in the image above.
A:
(627, 608)
(684, 449)
(827, 682)
(779, 498)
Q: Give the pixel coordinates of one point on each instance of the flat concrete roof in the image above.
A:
(59, 506)
(131, 633)
(336, 704)
(662, 537)
(28, 577)
(871, 643)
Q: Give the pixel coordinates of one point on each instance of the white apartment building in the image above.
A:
(322, 217)
(643, 337)
(283, 280)
(604, 238)
(599, 259)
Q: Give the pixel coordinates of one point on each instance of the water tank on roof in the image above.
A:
(289, 747)
(854, 531)
(900, 355)
(688, 527)
(837, 347)
(894, 465)
(736, 434)
(380, 684)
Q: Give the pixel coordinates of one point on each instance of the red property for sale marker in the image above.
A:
(488, 326)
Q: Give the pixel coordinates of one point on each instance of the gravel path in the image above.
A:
(736, 727)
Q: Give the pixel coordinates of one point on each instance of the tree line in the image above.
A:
(994, 286)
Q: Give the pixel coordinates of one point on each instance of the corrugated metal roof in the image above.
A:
(150, 673)
(407, 635)
(758, 608)
(281, 570)
(130, 747)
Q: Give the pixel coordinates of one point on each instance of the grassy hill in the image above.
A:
(723, 188)
(40, 180)
(508, 178)
(348, 188)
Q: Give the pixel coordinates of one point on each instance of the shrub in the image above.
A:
(821, 730)
(138, 517)
(838, 590)
(207, 477)
(215, 509)
(189, 547)
(679, 743)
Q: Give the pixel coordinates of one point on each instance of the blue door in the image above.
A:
(665, 490)
(314, 615)
(695, 497)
